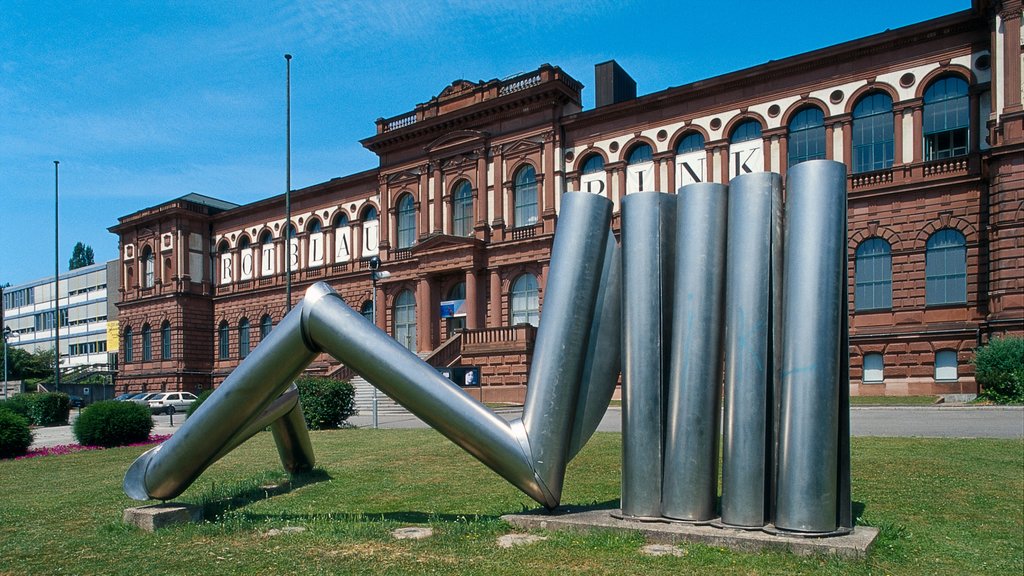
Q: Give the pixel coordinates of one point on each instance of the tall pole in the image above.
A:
(7, 332)
(56, 276)
(373, 278)
(288, 185)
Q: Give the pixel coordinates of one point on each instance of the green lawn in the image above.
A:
(943, 506)
(892, 400)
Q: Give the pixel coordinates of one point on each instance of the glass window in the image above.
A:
(406, 221)
(266, 238)
(873, 133)
(873, 275)
(148, 267)
(243, 243)
(367, 310)
(165, 340)
(243, 337)
(749, 130)
(223, 341)
(945, 365)
(462, 209)
(639, 154)
(692, 142)
(593, 165)
(147, 343)
(266, 325)
(370, 213)
(806, 136)
(405, 319)
(341, 220)
(314, 226)
(946, 118)
(945, 268)
(525, 301)
(873, 367)
(524, 195)
(129, 346)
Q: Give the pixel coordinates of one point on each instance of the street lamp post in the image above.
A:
(375, 274)
(288, 184)
(7, 334)
(56, 276)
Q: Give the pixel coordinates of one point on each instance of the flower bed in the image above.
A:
(71, 448)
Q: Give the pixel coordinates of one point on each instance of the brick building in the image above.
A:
(463, 207)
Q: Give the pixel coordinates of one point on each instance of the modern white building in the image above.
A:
(88, 318)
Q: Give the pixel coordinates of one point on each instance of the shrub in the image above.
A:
(326, 403)
(15, 437)
(49, 409)
(19, 404)
(999, 369)
(111, 423)
(199, 400)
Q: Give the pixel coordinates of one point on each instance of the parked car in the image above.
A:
(76, 401)
(123, 397)
(142, 397)
(171, 402)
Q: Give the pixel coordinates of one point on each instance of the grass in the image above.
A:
(892, 400)
(944, 506)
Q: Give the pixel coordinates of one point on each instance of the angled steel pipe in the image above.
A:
(648, 248)
(224, 419)
(690, 484)
(752, 287)
(809, 489)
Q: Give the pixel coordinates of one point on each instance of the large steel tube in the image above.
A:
(604, 354)
(565, 337)
(648, 247)
(399, 373)
(752, 285)
(690, 483)
(167, 470)
(814, 286)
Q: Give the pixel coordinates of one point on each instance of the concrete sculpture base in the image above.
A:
(853, 545)
(156, 516)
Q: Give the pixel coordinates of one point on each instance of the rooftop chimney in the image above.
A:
(614, 85)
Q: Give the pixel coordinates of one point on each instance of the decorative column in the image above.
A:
(423, 201)
(494, 314)
(480, 200)
(472, 301)
(438, 224)
(1010, 17)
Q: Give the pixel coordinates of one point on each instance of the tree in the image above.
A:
(81, 256)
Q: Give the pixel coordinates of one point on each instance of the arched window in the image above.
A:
(692, 142)
(147, 343)
(946, 118)
(367, 310)
(223, 341)
(148, 267)
(462, 209)
(405, 319)
(129, 346)
(745, 131)
(406, 221)
(873, 368)
(243, 243)
(525, 301)
(369, 214)
(524, 197)
(165, 340)
(639, 154)
(873, 133)
(266, 325)
(593, 165)
(873, 276)
(243, 337)
(291, 231)
(806, 138)
(267, 239)
(314, 226)
(341, 220)
(268, 260)
(945, 268)
(946, 366)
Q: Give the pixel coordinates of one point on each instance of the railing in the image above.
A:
(339, 268)
(520, 83)
(946, 166)
(403, 254)
(400, 122)
(871, 178)
(447, 353)
(521, 335)
(524, 232)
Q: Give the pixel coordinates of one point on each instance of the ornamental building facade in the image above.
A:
(464, 203)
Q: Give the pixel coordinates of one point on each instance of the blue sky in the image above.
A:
(143, 102)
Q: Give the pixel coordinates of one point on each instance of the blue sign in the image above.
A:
(453, 308)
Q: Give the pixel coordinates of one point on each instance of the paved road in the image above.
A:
(944, 422)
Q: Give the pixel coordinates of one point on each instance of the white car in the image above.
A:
(171, 402)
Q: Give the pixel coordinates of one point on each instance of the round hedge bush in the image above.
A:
(15, 437)
(112, 423)
(326, 403)
(999, 370)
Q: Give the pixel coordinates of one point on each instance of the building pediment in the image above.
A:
(440, 241)
(455, 140)
(403, 177)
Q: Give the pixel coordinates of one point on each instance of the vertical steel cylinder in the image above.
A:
(690, 483)
(648, 246)
(752, 275)
(814, 287)
(564, 335)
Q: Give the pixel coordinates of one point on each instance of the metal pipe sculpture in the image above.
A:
(648, 247)
(691, 434)
(562, 410)
(699, 283)
(753, 283)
